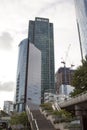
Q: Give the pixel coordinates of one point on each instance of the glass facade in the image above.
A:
(34, 78)
(81, 13)
(41, 35)
(69, 89)
(28, 86)
(35, 70)
(21, 75)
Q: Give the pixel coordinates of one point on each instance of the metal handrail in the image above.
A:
(56, 106)
(33, 122)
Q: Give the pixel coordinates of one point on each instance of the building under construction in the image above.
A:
(63, 77)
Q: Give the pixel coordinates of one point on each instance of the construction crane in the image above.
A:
(66, 56)
(67, 52)
(64, 62)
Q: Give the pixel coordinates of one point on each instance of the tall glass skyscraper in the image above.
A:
(33, 90)
(28, 86)
(35, 71)
(81, 14)
(21, 75)
(41, 35)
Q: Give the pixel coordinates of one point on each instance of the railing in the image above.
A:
(56, 106)
(77, 99)
(32, 121)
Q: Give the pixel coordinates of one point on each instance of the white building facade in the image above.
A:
(8, 107)
(33, 92)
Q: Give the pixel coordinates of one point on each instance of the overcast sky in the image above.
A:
(14, 20)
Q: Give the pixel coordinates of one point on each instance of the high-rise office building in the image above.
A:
(81, 15)
(33, 90)
(21, 75)
(28, 86)
(35, 72)
(41, 35)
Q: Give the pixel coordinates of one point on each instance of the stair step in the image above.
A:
(42, 122)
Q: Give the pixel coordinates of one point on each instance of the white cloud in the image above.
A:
(7, 86)
(6, 41)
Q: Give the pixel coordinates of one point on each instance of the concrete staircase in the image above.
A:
(42, 122)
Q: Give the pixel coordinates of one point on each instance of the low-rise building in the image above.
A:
(51, 97)
(8, 106)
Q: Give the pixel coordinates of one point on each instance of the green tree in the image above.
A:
(19, 119)
(62, 113)
(80, 79)
(23, 118)
(46, 106)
